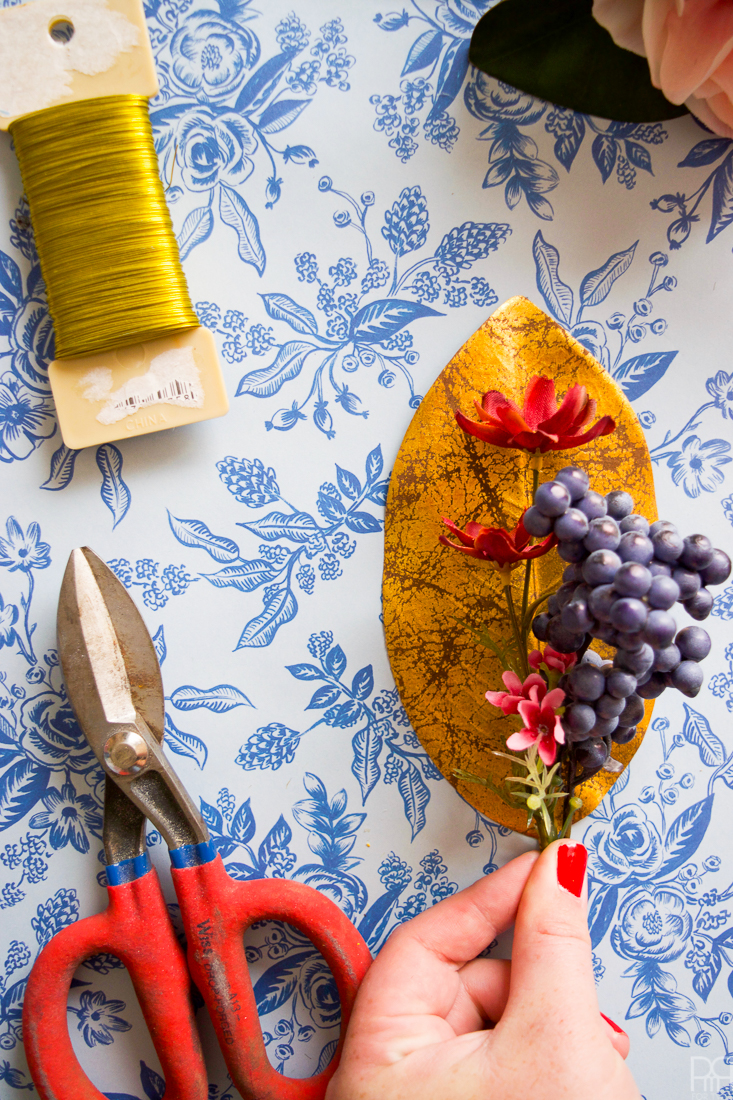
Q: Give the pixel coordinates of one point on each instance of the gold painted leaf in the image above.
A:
(430, 591)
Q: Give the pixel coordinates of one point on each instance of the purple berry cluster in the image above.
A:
(622, 579)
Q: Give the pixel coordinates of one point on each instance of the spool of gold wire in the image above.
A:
(103, 231)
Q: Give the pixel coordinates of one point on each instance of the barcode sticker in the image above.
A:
(172, 379)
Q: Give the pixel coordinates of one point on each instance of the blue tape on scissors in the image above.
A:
(127, 870)
(192, 855)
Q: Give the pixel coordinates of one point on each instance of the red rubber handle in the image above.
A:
(216, 911)
(136, 928)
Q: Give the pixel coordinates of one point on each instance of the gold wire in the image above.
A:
(103, 231)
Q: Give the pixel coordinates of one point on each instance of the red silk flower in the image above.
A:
(503, 548)
(541, 425)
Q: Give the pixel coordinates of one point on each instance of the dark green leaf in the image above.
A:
(559, 52)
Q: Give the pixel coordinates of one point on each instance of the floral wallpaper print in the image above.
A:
(222, 101)
(351, 200)
(358, 333)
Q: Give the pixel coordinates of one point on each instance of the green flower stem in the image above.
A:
(567, 825)
(569, 784)
(535, 467)
(519, 639)
(525, 594)
(534, 607)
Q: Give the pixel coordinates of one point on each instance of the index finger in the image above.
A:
(416, 972)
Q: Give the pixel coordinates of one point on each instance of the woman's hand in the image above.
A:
(419, 1029)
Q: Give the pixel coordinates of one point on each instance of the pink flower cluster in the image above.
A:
(537, 707)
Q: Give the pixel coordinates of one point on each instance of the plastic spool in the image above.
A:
(132, 357)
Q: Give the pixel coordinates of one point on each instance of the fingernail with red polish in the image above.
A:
(613, 1024)
(571, 863)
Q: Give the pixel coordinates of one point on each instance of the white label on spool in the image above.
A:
(36, 71)
(172, 379)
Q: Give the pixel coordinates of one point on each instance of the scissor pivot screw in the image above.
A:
(125, 753)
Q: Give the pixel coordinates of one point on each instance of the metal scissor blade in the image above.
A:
(115, 689)
(100, 644)
(107, 656)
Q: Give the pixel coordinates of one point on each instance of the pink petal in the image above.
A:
(547, 717)
(522, 739)
(496, 698)
(536, 692)
(554, 699)
(546, 749)
(507, 703)
(534, 680)
(512, 682)
(529, 711)
(535, 659)
(559, 731)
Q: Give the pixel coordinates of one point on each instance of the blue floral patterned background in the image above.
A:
(351, 201)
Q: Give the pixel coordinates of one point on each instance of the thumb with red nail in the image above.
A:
(434, 1022)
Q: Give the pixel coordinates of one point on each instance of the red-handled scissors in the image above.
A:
(114, 686)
